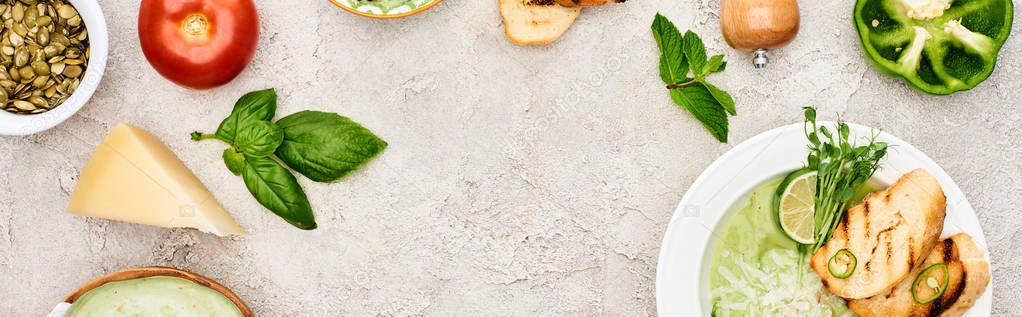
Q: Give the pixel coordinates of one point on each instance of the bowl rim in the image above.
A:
(151, 271)
(386, 16)
(12, 124)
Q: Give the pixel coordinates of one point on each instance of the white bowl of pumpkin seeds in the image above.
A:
(52, 56)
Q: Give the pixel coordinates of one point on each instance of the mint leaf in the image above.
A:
(698, 100)
(673, 66)
(722, 97)
(325, 146)
(258, 105)
(695, 52)
(723, 65)
(715, 64)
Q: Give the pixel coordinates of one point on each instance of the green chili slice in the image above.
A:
(931, 282)
(842, 264)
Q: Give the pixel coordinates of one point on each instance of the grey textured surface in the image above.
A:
(518, 181)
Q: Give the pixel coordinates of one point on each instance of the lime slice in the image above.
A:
(796, 211)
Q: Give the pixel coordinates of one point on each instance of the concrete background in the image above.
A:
(518, 181)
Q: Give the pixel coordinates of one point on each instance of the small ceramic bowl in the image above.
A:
(25, 124)
(150, 271)
(385, 9)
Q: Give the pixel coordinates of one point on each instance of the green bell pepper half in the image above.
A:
(937, 46)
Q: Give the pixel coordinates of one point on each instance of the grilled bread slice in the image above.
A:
(528, 22)
(968, 276)
(589, 3)
(889, 233)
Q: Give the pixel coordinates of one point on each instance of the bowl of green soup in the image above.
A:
(725, 254)
(385, 9)
(152, 291)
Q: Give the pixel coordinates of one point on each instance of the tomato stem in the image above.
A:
(195, 26)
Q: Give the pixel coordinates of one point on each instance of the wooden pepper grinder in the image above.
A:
(759, 25)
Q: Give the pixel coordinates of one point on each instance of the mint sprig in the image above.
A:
(681, 56)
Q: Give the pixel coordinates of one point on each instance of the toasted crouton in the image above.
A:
(529, 22)
(889, 233)
(968, 275)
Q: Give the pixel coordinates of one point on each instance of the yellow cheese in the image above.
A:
(133, 177)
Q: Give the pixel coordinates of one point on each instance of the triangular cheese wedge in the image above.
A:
(133, 177)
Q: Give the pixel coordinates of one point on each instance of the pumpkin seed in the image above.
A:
(20, 29)
(59, 38)
(51, 50)
(40, 82)
(40, 68)
(72, 71)
(15, 38)
(18, 12)
(39, 102)
(30, 15)
(66, 11)
(43, 36)
(57, 67)
(21, 57)
(24, 105)
(27, 73)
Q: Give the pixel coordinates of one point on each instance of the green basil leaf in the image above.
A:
(723, 98)
(697, 100)
(325, 146)
(276, 189)
(234, 160)
(673, 66)
(258, 105)
(715, 64)
(259, 138)
(695, 52)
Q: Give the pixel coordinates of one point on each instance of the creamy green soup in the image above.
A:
(388, 5)
(756, 269)
(160, 296)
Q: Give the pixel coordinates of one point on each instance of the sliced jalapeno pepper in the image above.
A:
(931, 283)
(842, 264)
(937, 46)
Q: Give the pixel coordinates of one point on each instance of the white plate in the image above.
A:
(682, 282)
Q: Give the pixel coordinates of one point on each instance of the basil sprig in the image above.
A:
(680, 55)
(320, 145)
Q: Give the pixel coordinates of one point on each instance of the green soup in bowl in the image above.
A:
(155, 296)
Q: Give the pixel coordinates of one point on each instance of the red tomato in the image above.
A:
(198, 43)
